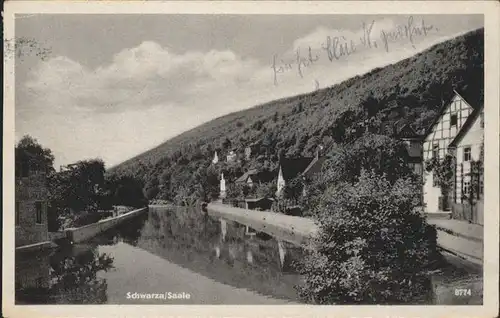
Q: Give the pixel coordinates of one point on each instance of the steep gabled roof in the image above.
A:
(256, 175)
(474, 100)
(292, 167)
(466, 126)
(314, 166)
(404, 130)
(244, 177)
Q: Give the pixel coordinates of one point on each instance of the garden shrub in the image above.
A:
(373, 245)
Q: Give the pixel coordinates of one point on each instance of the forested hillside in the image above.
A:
(413, 90)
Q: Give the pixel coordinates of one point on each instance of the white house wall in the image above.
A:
(473, 139)
(442, 134)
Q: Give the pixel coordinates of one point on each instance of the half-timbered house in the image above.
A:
(447, 126)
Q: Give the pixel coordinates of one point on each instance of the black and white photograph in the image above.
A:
(221, 157)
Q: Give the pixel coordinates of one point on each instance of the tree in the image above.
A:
(78, 188)
(226, 144)
(373, 246)
(293, 188)
(442, 172)
(275, 117)
(207, 178)
(185, 196)
(151, 189)
(237, 191)
(299, 108)
(77, 277)
(345, 162)
(165, 186)
(266, 190)
(258, 125)
(32, 156)
(370, 105)
(125, 190)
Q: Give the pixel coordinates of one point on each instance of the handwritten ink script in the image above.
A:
(23, 47)
(341, 47)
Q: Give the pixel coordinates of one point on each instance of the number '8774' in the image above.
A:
(463, 292)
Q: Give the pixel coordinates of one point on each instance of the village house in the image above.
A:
(31, 200)
(261, 204)
(231, 156)
(248, 152)
(413, 142)
(290, 168)
(251, 149)
(304, 167)
(253, 177)
(458, 126)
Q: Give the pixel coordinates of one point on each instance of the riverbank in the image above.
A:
(460, 244)
(36, 246)
(80, 234)
(462, 240)
(292, 229)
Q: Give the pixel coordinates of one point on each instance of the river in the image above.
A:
(166, 256)
(181, 256)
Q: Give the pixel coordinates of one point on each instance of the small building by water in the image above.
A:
(31, 201)
(263, 204)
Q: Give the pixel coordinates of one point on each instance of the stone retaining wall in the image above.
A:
(77, 235)
(299, 230)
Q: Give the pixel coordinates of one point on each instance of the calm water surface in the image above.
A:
(176, 251)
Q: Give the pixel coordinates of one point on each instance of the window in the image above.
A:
(435, 151)
(418, 169)
(467, 154)
(466, 188)
(25, 169)
(481, 185)
(38, 209)
(17, 213)
(453, 120)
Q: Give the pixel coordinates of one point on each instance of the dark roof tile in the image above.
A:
(292, 167)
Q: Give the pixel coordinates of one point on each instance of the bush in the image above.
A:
(266, 190)
(373, 245)
(375, 152)
(85, 218)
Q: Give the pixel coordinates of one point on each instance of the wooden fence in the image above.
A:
(466, 213)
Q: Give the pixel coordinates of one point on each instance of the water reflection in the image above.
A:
(67, 276)
(223, 250)
(121, 259)
(70, 274)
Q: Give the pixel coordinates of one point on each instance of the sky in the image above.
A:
(114, 86)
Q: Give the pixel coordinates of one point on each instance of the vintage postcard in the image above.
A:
(291, 158)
